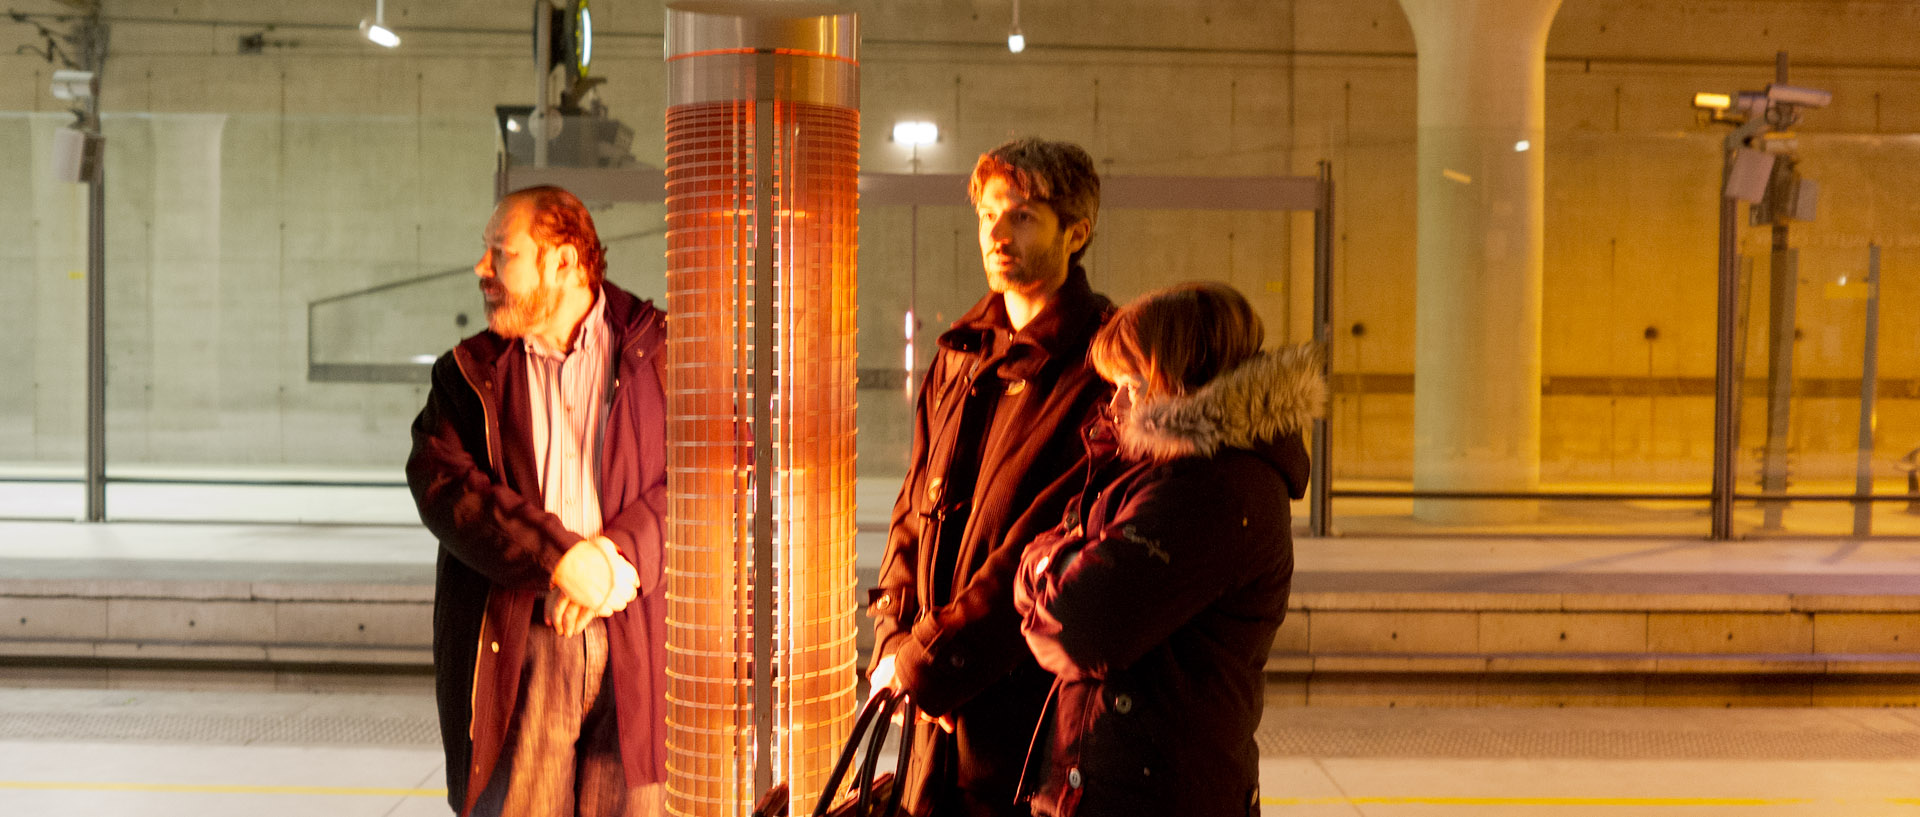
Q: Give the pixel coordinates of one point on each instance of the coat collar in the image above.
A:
(1271, 395)
(1063, 329)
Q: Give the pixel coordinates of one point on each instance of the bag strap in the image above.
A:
(876, 741)
(910, 718)
(873, 724)
(878, 708)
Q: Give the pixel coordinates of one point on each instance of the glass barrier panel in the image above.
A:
(43, 321)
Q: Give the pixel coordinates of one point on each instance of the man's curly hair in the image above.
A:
(1058, 174)
(559, 219)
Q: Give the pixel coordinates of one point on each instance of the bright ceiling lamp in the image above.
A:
(376, 30)
(916, 134)
(1016, 41)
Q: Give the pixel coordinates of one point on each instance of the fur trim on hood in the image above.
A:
(1272, 394)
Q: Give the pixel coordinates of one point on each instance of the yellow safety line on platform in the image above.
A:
(187, 788)
(1633, 802)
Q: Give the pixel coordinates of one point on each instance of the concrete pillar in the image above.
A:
(1482, 115)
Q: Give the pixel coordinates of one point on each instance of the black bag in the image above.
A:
(870, 796)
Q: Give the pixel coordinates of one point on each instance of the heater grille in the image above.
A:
(712, 225)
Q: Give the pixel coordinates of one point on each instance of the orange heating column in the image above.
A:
(763, 137)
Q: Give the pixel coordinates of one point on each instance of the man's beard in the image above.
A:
(1028, 270)
(515, 316)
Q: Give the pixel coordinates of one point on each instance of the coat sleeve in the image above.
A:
(1101, 601)
(894, 602)
(639, 529)
(495, 530)
(959, 649)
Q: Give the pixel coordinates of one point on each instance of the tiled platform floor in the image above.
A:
(92, 752)
(134, 751)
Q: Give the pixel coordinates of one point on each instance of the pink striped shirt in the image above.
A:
(568, 394)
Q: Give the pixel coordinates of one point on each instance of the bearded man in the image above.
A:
(995, 440)
(539, 463)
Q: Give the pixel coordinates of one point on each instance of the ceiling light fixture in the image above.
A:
(376, 30)
(915, 134)
(1016, 42)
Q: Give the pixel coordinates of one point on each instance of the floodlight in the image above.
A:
(1016, 41)
(916, 133)
(1712, 102)
(378, 34)
(376, 30)
(74, 86)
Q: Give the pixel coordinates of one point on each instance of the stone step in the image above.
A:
(229, 622)
(1431, 635)
(1635, 647)
(1425, 623)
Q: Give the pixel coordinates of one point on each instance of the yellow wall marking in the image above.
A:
(186, 788)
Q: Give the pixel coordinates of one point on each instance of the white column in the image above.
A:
(1482, 114)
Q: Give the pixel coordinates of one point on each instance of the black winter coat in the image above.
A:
(1156, 599)
(944, 607)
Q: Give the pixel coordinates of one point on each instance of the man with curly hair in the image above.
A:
(996, 430)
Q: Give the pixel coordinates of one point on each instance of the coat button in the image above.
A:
(496, 646)
(1123, 704)
(933, 490)
(1016, 387)
(958, 661)
(1073, 777)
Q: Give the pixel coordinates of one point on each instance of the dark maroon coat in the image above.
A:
(474, 479)
(1156, 599)
(978, 483)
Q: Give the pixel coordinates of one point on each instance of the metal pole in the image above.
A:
(94, 36)
(97, 323)
(913, 280)
(913, 296)
(542, 58)
(1726, 381)
(1320, 503)
(764, 471)
(1869, 374)
(1784, 274)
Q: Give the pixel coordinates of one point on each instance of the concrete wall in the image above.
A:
(245, 187)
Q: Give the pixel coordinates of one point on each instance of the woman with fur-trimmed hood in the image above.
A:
(1156, 599)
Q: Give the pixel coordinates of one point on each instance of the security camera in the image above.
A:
(76, 86)
(1796, 95)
